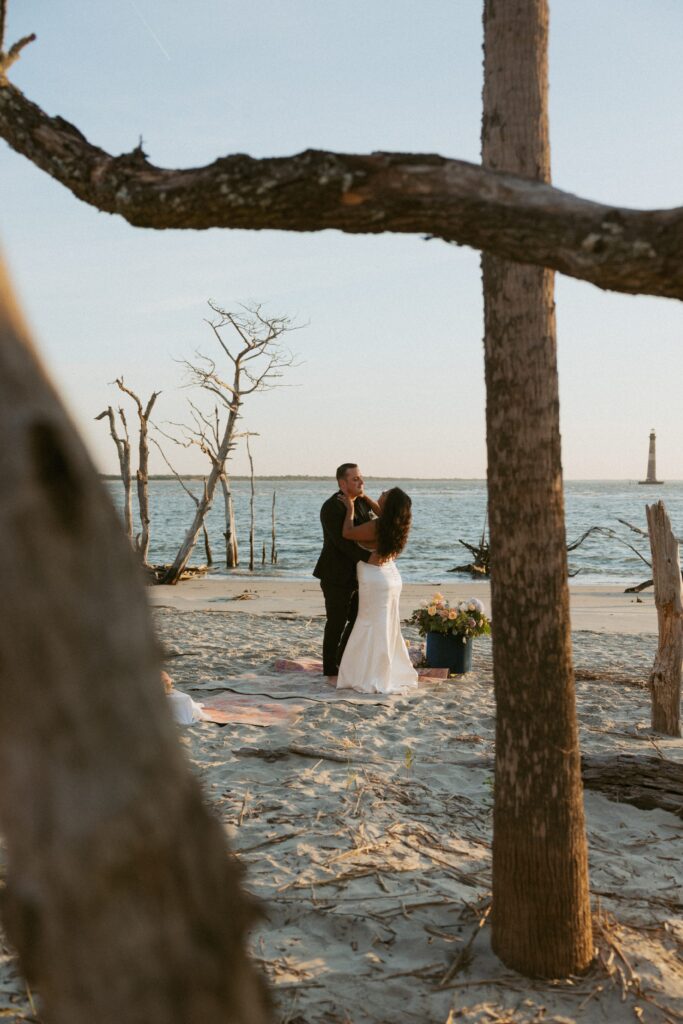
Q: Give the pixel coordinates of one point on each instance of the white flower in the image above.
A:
(477, 605)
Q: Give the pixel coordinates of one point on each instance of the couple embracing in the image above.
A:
(362, 646)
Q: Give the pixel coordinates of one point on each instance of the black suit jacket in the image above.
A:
(338, 558)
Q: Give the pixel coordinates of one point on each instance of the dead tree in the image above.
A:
(120, 895)
(541, 920)
(142, 475)
(232, 558)
(251, 507)
(205, 434)
(159, 570)
(665, 678)
(123, 452)
(257, 359)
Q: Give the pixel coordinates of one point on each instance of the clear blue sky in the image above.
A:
(392, 363)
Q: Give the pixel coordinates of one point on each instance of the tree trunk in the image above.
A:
(127, 495)
(142, 541)
(121, 899)
(143, 483)
(273, 548)
(665, 678)
(251, 509)
(541, 914)
(231, 552)
(207, 545)
(123, 452)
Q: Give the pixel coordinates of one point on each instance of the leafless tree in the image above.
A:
(123, 451)
(142, 475)
(191, 495)
(205, 433)
(251, 506)
(541, 921)
(255, 358)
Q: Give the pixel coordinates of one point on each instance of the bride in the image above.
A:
(376, 657)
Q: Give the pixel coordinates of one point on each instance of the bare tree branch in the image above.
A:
(605, 530)
(613, 247)
(259, 338)
(14, 52)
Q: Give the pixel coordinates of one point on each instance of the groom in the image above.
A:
(336, 567)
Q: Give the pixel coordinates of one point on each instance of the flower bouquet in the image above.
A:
(466, 619)
(450, 631)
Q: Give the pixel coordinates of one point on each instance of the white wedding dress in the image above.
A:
(376, 658)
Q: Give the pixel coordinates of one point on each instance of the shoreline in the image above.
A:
(598, 609)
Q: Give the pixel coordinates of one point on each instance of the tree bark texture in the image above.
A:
(498, 210)
(541, 915)
(121, 899)
(644, 781)
(665, 678)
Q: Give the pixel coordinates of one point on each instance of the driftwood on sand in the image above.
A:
(645, 781)
(665, 678)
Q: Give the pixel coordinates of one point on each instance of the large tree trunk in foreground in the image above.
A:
(121, 899)
(541, 915)
(665, 678)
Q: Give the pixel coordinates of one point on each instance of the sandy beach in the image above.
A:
(597, 609)
(364, 823)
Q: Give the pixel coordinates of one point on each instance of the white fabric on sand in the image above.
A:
(376, 657)
(185, 710)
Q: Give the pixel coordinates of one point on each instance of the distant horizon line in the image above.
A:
(389, 476)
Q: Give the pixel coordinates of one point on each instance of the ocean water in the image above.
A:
(443, 512)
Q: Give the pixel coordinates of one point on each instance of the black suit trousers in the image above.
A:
(341, 608)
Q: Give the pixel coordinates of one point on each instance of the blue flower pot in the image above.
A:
(444, 650)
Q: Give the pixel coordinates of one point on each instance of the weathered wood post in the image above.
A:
(230, 532)
(273, 546)
(665, 678)
(251, 507)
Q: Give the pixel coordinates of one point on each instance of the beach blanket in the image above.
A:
(230, 708)
(276, 694)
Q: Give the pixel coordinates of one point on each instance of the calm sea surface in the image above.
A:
(443, 512)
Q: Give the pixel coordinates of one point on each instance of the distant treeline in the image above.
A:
(201, 476)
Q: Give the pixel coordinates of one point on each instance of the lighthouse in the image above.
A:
(651, 467)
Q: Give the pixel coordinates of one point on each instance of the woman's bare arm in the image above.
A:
(360, 533)
(374, 507)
